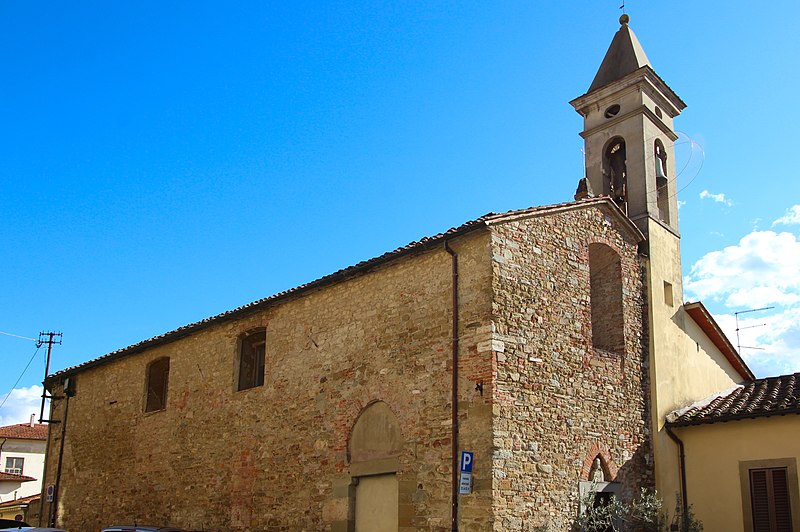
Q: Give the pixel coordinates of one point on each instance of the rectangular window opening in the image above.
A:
(252, 355)
(14, 465)
(668, 299)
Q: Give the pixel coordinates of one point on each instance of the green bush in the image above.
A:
(645, 513)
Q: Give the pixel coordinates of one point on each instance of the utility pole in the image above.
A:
(49, 338)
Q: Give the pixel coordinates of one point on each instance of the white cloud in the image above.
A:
(760, 271)
(719, 198)
(20, 404)
(792, 217)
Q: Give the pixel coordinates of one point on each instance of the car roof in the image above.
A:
(141, 528)
(35, 529)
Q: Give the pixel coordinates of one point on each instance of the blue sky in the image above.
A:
(164, 163)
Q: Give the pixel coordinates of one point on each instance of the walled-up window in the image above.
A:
(662, 192)
(157, 383)
(252, 352)
(605, 271)
(615, 171)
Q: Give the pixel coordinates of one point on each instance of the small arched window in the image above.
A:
(605, 272)
(157, 384)
(252, 352)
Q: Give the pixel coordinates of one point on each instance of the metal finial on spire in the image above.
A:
(624, 19)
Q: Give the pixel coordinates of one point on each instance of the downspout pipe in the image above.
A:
(684, 502)
(454, 399)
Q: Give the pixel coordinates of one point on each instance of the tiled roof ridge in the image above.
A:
(764, 397)
(24, 431)
(422, 244)
(21, 500)
(15, 476)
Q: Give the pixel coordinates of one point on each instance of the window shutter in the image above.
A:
(780, 490)
(759, 494)
(769, 492)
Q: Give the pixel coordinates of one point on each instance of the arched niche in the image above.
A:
(376, 435)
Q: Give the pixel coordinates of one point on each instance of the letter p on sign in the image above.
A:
(466, 462)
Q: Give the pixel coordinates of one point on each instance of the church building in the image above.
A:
(484, 378)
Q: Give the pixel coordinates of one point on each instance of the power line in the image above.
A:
(18, 336)
(21, 375)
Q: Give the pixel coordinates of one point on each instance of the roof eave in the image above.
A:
(734, 417)
(604, 201)
(703, 318)
(645, 75)
(421, 246)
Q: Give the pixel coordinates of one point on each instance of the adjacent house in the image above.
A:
(741, 448)
(549, 342)
(22, 452)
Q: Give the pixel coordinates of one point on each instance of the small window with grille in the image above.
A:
(14, 465)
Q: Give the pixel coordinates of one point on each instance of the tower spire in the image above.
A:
(624, 55)
(629, 134)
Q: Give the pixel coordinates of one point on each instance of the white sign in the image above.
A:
(465, 486)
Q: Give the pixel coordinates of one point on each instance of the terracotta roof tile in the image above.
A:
(771, 396)
(24, 431)
(14, 476)
(22, 500)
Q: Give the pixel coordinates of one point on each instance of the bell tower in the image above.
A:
(629, 136)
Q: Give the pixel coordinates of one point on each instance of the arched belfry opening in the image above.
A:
(376, 442)
(615, 172)
(662, 180)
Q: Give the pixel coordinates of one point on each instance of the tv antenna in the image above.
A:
(738, 341)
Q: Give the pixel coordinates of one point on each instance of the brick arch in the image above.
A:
(602, 240)
(610, 468)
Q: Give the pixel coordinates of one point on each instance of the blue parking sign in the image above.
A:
(466, 462)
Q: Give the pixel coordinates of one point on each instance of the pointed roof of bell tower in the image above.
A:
(624, 56)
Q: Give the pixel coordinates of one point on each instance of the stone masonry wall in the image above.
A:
(275, 457)
(558, 402)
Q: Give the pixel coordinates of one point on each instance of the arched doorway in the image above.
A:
(375, 445)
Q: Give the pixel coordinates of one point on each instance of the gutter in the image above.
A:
(454, 399)
(684, 502)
